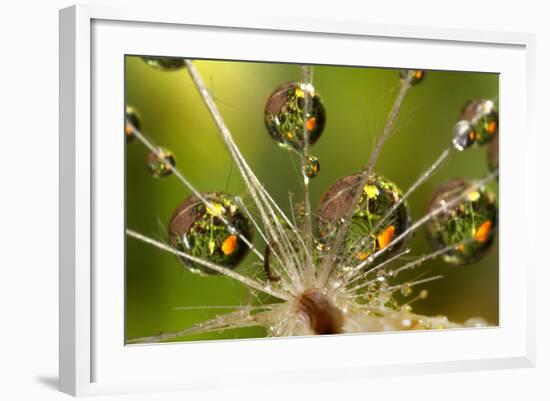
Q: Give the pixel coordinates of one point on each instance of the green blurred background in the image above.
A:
(357, 101)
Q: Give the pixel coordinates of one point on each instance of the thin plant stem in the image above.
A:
(309, 270)
(275, 254)
(414, 283)
(375, 269)
(237, 319)
(241, 204)
(249, 282)
(433, 255)
(249, 307)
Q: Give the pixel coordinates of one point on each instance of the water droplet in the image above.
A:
(483, 116)
(195, 230)
(464, 135)
(311, 167)
(284, 115)
(423, 294)
(377, 198)
(165, 63)
(336, 284)
(413, 77)
(470, 224)
(406, 290)
(133, 122)
(161, 166)
(320, 246)
(421, 324)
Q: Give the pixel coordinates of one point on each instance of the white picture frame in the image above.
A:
(92, 363)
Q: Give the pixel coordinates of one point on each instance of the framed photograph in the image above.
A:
(261, 199)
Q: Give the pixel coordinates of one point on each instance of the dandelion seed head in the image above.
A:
(344, 278)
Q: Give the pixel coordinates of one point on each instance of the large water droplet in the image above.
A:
(470, 223)
(199, 231)
(284, 115)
